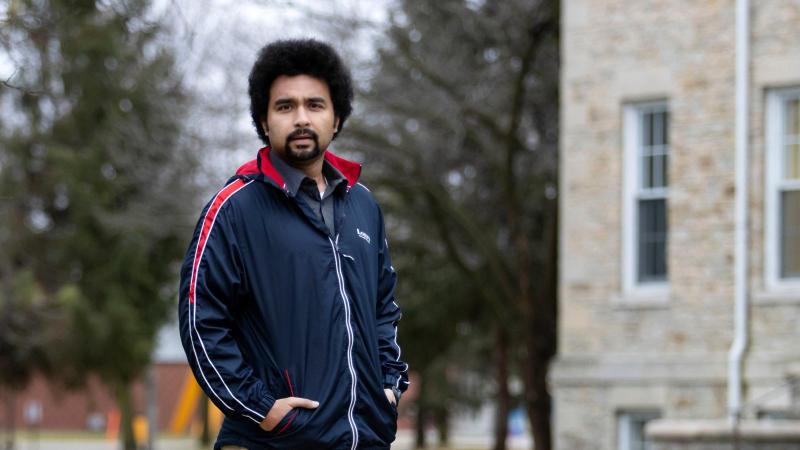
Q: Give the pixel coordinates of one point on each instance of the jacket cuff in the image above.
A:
(390, 380)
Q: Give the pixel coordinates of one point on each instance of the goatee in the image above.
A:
(305, 154)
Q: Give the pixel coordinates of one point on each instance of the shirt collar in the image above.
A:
(294, 177)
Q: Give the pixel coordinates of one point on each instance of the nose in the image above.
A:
(301, 118)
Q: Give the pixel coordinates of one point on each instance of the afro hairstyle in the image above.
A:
(299, 57)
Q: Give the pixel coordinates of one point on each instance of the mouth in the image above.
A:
(302, 139)
(302, 142)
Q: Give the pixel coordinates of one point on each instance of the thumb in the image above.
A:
(298, 402)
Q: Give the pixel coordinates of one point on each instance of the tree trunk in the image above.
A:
(422, 415)
(10, 415)
(538, 403)
(541, 341)
(503, 397)
(443, 426)
(127, 439)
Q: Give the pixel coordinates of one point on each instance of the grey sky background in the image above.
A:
(218, 41)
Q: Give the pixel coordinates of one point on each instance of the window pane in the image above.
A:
(657, 163)
(637, 434)
(793, 118)
(647, 130)
(647, 172)
(792, 140)
(639, 440)
(631, 429)
(791, 165)
(654, 149)
(658, 128)
(790, 234)
(660, 170)
(652, 240)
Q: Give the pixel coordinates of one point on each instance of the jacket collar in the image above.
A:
(263, 166)
(294, 178)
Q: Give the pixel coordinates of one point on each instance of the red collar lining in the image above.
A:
(349, 169)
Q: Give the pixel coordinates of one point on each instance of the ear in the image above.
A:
(335, 125)
(264, 125)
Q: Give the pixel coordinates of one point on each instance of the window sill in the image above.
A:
(777, 297)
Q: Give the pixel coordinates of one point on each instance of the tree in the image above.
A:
(97, 180)
(22, 308)
(436, 339)
(462, 117)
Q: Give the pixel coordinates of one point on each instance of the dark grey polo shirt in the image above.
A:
(299, 184)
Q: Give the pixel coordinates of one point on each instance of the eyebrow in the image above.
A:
(283, 101)
(289, 100)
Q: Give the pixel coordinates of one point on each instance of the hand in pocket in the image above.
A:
(390, 396)
(282, 407)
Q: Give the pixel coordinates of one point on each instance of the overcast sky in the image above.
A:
(218, 40)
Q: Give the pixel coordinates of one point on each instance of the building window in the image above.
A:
(646, 193)
(782, 200)
(630, 429)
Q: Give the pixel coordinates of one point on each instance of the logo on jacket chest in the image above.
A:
(363, 235)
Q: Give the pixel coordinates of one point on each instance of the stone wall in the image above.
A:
(680, 51)
(618, 352)
(720, 435)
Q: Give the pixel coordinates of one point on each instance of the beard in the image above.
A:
(302, 154)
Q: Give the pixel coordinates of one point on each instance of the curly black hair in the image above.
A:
(299, 57)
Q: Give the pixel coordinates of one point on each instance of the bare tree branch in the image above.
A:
(7, 83)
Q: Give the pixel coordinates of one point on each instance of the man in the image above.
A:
(287, 311)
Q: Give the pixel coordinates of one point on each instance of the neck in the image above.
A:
(312, 169)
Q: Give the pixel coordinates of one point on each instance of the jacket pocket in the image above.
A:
(287, 424)
(289, 384)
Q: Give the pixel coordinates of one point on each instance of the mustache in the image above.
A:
(302, 132)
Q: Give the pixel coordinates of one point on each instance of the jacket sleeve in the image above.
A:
(211, 281)
(395, 371)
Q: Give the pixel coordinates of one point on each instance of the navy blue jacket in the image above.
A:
(272, 306)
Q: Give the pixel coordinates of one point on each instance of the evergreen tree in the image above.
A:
(95, 182)
(460, 120)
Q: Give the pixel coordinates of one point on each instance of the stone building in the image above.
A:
(648, 280)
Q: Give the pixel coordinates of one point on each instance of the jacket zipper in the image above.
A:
(346, 301)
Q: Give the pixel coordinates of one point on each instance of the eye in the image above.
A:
(283, 107)
(316, 106)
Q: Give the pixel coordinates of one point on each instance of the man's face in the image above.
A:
(300, 119)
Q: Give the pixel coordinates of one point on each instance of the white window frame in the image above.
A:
(774, 152)
(634, 290)
(625, 421)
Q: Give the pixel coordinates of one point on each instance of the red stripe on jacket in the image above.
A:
(205, 231)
